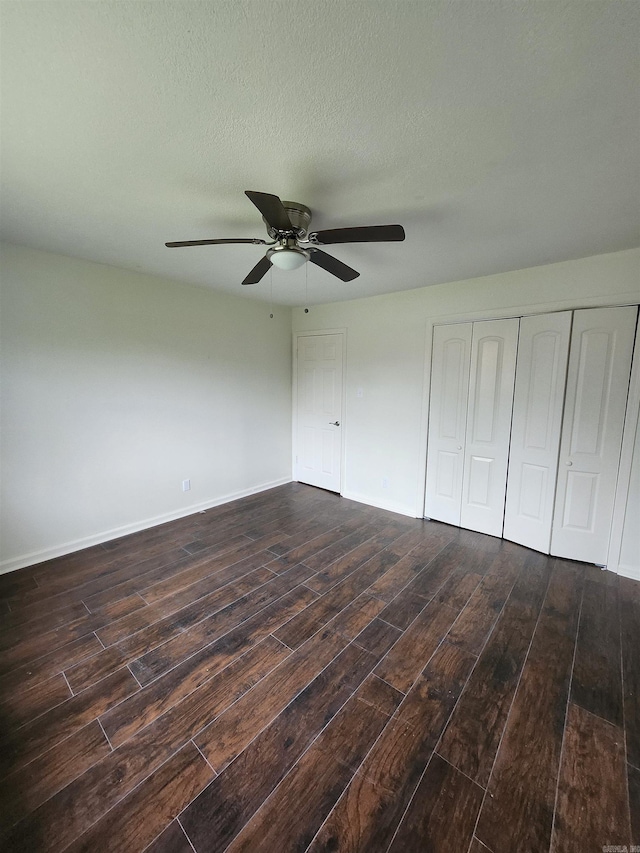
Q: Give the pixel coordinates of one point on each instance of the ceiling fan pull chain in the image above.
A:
(271, 298)
(306, 285)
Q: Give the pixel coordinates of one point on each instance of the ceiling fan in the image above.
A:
(288, 226)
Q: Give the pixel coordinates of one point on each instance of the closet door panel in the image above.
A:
(493, 361)
(541, 369)
(597, 387)
(447, 421)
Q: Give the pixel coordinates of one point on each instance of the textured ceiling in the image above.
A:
(502, 135)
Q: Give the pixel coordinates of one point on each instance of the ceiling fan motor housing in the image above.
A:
(287, 224)
(300, 217)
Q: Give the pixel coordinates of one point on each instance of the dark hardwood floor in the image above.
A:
(295, 671)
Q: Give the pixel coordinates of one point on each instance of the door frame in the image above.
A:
(631, 419)
(294, 397)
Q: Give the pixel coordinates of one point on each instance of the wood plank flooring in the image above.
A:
(297, 672)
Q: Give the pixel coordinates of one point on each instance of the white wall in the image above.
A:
(117, 386)
(385, 430)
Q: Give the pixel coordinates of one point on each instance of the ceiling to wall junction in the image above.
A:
(502, 135)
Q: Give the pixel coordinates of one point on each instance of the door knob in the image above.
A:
(569, 464)
(459, 447)
(334, 423)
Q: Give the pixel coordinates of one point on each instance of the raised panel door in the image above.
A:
(319, 411)
(450, 364)
(597, 388)
(493, 361)
(543, 349)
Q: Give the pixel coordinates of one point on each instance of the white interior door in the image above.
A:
(319, 410)
(543, 349)
(450, 363)
(493, 363)
(597, 387)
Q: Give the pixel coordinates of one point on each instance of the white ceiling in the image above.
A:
(502, 135)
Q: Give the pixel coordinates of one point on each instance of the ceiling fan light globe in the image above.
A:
(288, 259)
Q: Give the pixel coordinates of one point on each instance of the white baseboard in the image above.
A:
(390, 506)
(629, 572)
(65, 548)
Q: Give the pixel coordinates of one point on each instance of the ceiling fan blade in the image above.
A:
(272, 209)
(332, 265)
(259, 271)
(255, 240)
(366, 234)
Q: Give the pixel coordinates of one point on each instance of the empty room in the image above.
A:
(320, 404)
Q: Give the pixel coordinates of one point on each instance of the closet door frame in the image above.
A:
(631, 425)
(516, 311)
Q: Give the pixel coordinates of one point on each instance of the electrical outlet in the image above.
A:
(385, 482)
(186, 485)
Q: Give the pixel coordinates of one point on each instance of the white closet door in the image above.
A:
(493, 363)
(447, 421)
(597, 386)
(543, 349)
